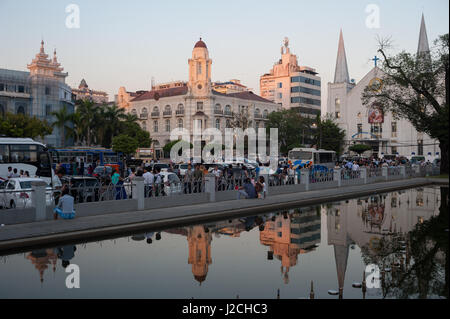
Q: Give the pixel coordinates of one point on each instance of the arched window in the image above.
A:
(167, 110)
(155, 126)
(257, 112)
(167, 125)
(265, 114)
(218, 124)
(134, 112)
(228, 124)
(337, 108)
(155, 109)
(180, 123)
(227, 110)
(21, 110)
(144, 110)
(144, 125)
(217, 109)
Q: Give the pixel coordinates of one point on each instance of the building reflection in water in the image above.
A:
(291, 234)
(368, 221)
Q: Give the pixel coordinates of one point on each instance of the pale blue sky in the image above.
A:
(125, 43)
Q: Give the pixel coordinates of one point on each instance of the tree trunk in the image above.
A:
(444, 157)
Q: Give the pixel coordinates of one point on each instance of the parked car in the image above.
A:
(163, 167)
(16, 192)
(82, 188)
(181, 169)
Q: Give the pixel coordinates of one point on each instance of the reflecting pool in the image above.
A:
(391, 245)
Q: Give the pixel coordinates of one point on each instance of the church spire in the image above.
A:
(423, 47)
(341, 72)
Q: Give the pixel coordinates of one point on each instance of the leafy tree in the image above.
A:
(20, 125)
(241, 119)
(292, 128)
(63, 119)
(124, 144)
(359, 148)
(168, 146)
(328, 135)
(416, 87)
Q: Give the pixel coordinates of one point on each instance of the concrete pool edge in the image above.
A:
(277, 202)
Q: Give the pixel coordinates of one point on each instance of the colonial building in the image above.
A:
(291, 85)
(84, 93)
(164, 108)
(367, 125)
(38, 92)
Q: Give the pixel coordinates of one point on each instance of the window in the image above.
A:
(337, 115)
(21, 89)
(298, 99)
(47, 90)
(199, 68)
(144, 110)
(199, 106)
(2, 87)
(280, 95)
(280, 85)
(394, 129)
(155, 126)
(228, 124)
(133, 111)
(376, 129)
(4, 154)
(198, 124)
(218, 124)
(167, 125)
(2, 110)
(144, 125)
(296, 89)
(359, 128)
(180, 123)
(227, 110)
(394, 150)
(21, 110)
(305, 80)
(155, 109)
(420, 147)
(337, 105)
(265, 114)
(48, 110)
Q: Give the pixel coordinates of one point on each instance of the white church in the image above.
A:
(365, 125)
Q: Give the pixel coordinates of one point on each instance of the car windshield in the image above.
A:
(162, 165)
(184, 166)
(26, 184)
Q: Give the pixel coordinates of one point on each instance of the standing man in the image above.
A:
(148, 181)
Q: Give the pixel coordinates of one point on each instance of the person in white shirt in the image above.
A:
(148, 181)
(355, 166)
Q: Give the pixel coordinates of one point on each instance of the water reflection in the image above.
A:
(404, 234)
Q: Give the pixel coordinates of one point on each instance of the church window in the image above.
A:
(420, 147)
(359, 127)
(337, 108)
(394, 129)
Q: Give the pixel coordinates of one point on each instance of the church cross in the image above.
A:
(375, 59)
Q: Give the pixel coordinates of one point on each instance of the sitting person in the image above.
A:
(65, 205)
(247, 190)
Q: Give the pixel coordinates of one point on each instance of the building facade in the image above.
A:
(291, 85)
(192, 103)
(84, 93)
(38, 92)
(385, 133)
(232, 86)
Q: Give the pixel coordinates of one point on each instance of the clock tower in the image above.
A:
(200, 70)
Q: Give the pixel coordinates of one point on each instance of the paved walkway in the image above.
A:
(81, 229)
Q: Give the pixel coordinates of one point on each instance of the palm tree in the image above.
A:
(111, 116)
(62, 118)
(78, 128)
(88, 111)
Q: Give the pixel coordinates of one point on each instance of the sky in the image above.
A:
(126, 43)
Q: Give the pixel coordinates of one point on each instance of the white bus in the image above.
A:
(27, 155)
(305, 156)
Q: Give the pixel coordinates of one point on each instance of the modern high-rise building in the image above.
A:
(291, 85)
